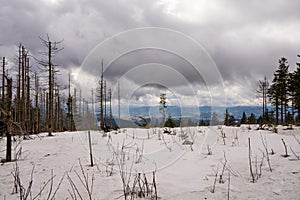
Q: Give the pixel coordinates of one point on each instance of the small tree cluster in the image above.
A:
(284, 92)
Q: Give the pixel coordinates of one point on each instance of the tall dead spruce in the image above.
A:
(52, 50)
(9, 121)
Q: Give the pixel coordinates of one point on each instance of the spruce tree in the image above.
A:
(244, 118)
(231, 120)
(226, 120)
(170, 123)
(278, 91)
(252, 119)
(294, 90)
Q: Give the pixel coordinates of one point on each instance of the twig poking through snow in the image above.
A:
(296, 139)
(85, 183)
(285, 148)
(223, 170)
(298, 157)
(90, 144)
(265, 144)
(209, 151)
(228, 190)
(215, 180)
(250, 162)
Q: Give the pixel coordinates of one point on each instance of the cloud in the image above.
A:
(245, 39)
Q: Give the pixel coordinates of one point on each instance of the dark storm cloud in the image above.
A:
(244, 38)
(142, 57)
(248, 38)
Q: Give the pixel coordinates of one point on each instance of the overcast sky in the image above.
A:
(245, 39)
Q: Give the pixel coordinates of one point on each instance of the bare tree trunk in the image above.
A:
(52, 49)
(9, 133)
(23, 108)
(83, 114)
(88, 121)
(101, 101)
(80, 109)
(3, 82)
(46, 111)
(50, 112)
(119, 105)
(60, 115)
(71, 125)
(36, 121)
(93, 111)
(74, 109)
(69, 104)
(266, 106)
(42, 110)
(105, 113)
(110, 110)
(28, 106)
(56, 108)
(18, 107)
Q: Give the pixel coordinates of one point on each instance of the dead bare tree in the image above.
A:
(9, 121)
(37, 114)
(3, 82)
(100, 93)
(28, 120)
(18, 96)
(262, 93)
(110, 111)
(119, 106)
(93, 112)
(105, 101)
(70, 119)
(52, 50)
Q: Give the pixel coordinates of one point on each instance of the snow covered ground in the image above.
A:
(182, 171)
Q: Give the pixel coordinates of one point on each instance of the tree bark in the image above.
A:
(3, 82)
(50, 112)
(8, 132)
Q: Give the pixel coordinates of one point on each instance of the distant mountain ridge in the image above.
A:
(131, 114)
(201, 112)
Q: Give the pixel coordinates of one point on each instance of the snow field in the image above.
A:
(182, 171)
